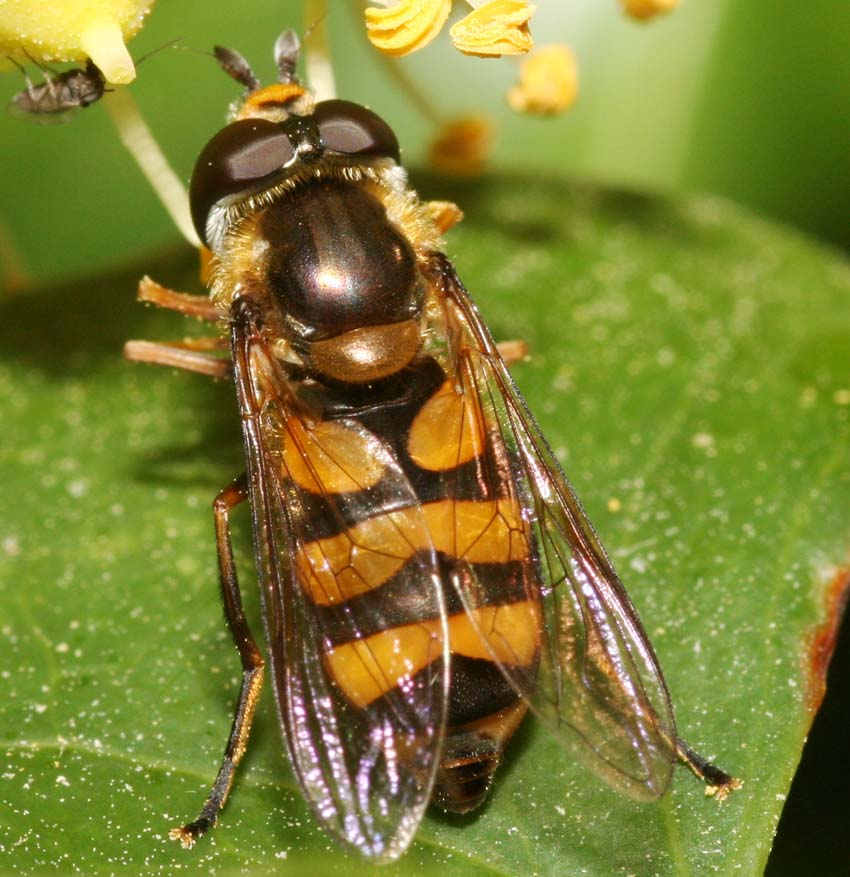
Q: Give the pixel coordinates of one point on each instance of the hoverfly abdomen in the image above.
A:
(470, 759)
(370, 568)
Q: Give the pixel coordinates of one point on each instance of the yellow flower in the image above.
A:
(498, 27)
(548, 82)
(73, 30)
(462, 145)
(407, 26)
(643, 9)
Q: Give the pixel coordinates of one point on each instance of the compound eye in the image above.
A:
(238, 159)
(351, 129)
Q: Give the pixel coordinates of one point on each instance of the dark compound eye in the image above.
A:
(351, 129)
(238, 159)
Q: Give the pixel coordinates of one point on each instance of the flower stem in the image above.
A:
(317, 50)
(137, 137)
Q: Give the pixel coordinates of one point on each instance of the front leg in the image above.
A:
(252, 667)
(191, 305)
(513, 351)
(190, 354)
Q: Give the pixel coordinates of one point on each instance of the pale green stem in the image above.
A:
(416, 96)
(137, 137)
(317, 50)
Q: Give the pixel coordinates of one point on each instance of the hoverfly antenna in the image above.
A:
(286, 50)
(235, 66)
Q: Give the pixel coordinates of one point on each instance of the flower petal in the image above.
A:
(548, 82)
(73, 30)
(407, 26)
(498, 27)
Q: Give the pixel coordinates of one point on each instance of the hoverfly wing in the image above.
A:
(361, 680)
(599, 687)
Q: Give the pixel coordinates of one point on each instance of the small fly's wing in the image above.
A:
(599, 685)
(361, 684)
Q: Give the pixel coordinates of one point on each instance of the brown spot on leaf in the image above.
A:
(825, 637)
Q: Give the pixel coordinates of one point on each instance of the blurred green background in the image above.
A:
(749, 99)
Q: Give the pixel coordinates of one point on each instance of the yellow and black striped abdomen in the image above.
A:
(366, 565)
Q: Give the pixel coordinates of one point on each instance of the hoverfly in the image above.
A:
(427, 574)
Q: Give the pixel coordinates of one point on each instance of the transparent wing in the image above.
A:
(353, 608)
(599, 686)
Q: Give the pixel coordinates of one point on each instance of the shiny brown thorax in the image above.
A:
(337, 280)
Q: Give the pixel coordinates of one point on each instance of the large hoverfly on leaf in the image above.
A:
(427, 574)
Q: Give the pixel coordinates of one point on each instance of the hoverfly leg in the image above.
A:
(190, 355)
(444, 214)
(513, 351)
(718, 783)
(252, 667)
(190, 305)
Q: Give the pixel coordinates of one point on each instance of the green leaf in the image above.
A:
(691, 365)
